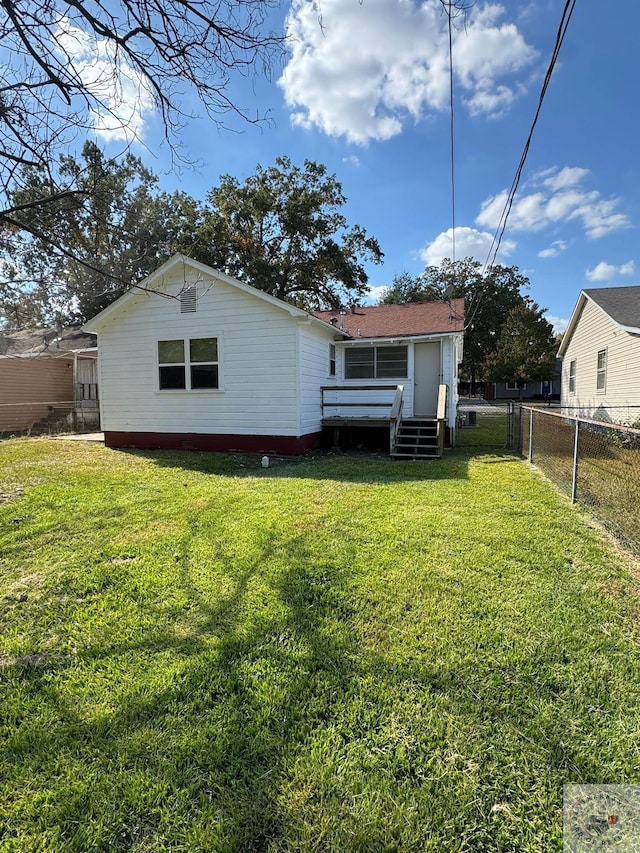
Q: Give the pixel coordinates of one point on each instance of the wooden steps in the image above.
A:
(417, 438)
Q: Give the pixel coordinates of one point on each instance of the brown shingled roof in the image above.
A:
(50, 341)
(398, 321)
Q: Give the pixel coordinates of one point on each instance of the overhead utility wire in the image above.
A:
(562, 31)
(452, 136)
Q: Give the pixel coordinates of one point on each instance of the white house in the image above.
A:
(194, 359)
(600, 354)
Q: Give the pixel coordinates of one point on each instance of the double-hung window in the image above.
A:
(601, 372)
(375, 362)
(572, 376)
(332, 359)
(188, 364)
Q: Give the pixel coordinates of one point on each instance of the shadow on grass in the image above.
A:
(198, 759)
(323, 465)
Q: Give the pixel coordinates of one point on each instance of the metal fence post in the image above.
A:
(576, 447)
(530, 434)
(520, 431)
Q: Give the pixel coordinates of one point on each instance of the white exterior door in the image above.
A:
(426, 376)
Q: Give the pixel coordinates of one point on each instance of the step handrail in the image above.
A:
(395, 416)
(442, 416)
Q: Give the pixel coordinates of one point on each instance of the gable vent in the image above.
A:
(189, 300)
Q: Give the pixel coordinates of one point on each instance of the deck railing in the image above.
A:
(358, 401)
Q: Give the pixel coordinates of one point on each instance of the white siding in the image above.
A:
(450, 349)
(314, 374)
(595, 331)
(258, 365)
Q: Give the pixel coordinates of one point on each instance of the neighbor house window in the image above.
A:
(332, 360)
(375, 362)
(601, 375)
(516, 386)
(572, 377)
(188, 365)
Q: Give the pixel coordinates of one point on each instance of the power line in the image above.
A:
(502, 224)
(452, 138)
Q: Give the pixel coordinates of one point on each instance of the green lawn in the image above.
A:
(335, 654)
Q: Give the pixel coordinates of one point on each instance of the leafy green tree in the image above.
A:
(84, 250)
(526, 349)
(488, 298)
(284, 232)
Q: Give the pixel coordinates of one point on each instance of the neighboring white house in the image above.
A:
(194, 359)
(600, 354)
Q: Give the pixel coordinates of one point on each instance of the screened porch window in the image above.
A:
(188, 365)
(375, 362)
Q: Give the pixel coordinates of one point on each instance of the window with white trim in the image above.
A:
(601, 372)
(188, 364)
(332, 359)
(375, 362)
(516, 386)
(572, 376)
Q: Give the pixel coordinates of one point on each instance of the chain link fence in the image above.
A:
(596, 463)
(488, 424)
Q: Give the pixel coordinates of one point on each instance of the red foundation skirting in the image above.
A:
(285, 445)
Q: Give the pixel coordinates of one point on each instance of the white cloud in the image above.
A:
(351, 160)
(605, 272)
(470, 243)
(376, 292)
(127, 101)
(557, 197)
(559, 323)
(554, 249)
(363, 70)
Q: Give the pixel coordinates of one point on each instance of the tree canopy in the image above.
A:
(81, 253)
(526, 348)
(283, 230)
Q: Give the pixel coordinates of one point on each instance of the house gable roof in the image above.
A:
(51, 342)
(621, 304)
(412, 319)
(153, 284)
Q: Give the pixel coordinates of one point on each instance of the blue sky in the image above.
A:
(367, 95)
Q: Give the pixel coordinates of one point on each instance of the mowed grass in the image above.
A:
(333, 654)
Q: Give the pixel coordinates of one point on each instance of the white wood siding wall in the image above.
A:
(450, 376)
(595, 331)
(258, 355)
(314, 374)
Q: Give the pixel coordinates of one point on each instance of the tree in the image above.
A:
(526, 349)
(69, 64)
(82, 251)
(283, 231)
(73, 67)
(488, 298)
